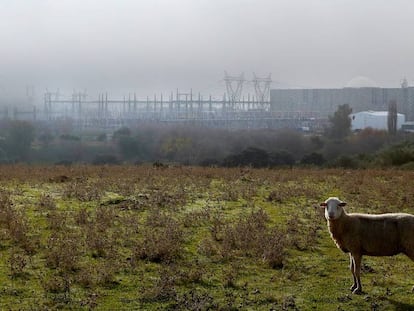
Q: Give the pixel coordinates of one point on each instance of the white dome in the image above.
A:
(361, 81)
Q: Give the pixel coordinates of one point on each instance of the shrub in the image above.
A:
(313, 158)
(398, 154)
(105, 159)
(64, 250)
(281, 158)
(160, 244)
(250, 236)
(254, 157)
(346, 162)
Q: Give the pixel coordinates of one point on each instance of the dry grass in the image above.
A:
(123, 237)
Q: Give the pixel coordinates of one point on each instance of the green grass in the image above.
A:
(79, 244)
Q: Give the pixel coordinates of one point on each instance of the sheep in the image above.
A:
(372, 235)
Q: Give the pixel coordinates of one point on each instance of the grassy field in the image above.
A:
(183, 238)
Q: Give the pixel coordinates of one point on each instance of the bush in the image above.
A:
(105, 159)
(281, 158)
(398, 154)
(160, 244)
(313, 158)
(254, 157)
(346, 162)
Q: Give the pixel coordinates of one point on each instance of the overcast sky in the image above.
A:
(160, 45)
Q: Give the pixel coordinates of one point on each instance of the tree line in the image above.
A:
(22, 141)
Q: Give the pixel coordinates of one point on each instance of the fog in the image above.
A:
(152, 46)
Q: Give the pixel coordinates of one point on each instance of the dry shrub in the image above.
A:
(100, 241)
(230, 191)
(191, 272)
(47, 202)
(18, 227)
(57, 284)
(58, 287)
(230, 276)
(57, 220)
(64, 249)
(18, 261)
(196, 299)
(87, 276)
(105, 217)
(98, 273)
(303, 230)
(248, 236)
(274, 248)
(164, 288)
(196, 218)
(14, 224)
(293, 191)
(160, 244)
(217, 226)
(83, 190)
(91, 302)
(158, 218)
(171, 198)
(82, 217)
(106, 271)
(208, 247)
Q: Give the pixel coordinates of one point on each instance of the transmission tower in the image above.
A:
(30, 94)
(262, 89)
(234, 93)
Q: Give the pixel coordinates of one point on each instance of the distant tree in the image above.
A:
(281, 158)
(316, 143)
(251, 156)
(392, 117)
(128, 146)
(19, 138)
(46, 137)
(123, 131)
(69, 137)
(340, 122)
(105, 159)
(313, 158)
(101, 137)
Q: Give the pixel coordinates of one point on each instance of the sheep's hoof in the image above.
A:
(357, 291)
(353, 287)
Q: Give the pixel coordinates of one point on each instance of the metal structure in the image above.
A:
(262, 89)
(104, 112)
(234, 93)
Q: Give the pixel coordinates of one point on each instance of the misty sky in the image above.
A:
(160, 45)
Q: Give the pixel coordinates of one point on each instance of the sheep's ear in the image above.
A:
(323, 204)
(342, 204)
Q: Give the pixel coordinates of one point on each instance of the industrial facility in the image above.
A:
(267, 108)
(361, 94)
(377, 120)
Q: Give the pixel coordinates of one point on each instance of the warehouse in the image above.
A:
(374, 119)
(361, 94)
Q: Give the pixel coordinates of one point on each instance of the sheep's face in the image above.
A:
(333, 208)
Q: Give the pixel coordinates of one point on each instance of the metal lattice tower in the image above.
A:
(30, 94)
(234, 94)
(262, 89)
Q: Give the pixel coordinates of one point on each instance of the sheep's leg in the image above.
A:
(357, 273)
(352, 267)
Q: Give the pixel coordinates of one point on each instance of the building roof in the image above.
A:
(374, 113)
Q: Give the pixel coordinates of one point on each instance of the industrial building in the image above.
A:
(377, 120)
(360, 93)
